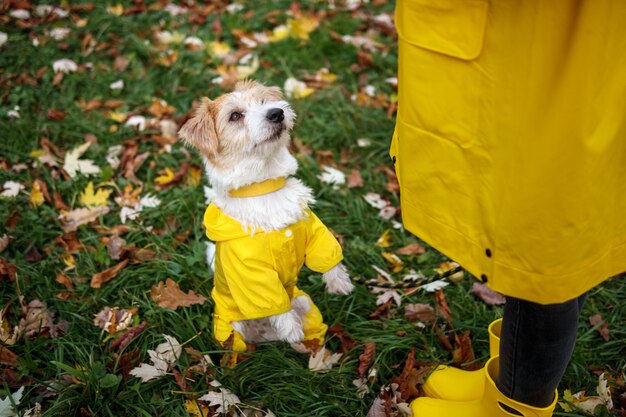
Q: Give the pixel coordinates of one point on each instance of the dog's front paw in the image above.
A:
(288, 326)
(337, 280)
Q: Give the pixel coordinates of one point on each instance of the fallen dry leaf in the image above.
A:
(366, 358)
(36, 196)
(73, 165)
(395, 263)
(443, 305)
(603, 329)
(124, 340)
(355, 179)
(107, 275)
(347, 342)
(463, 353)
(64, 280)
(412, 249)
(71, 220)
(323, 360)
(113, 320)
(115, 246)
(169, 295)
(162, 357)
(7, 357)
(8, 270)
(89, 198)
(486, 294)
(420, 312)
(39, 321)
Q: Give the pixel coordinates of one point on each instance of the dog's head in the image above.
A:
(252, 121)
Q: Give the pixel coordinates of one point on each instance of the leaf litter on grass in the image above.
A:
(92, 156)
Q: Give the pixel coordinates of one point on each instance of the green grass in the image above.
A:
(275, 377)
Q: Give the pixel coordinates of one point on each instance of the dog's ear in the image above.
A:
(199, 131)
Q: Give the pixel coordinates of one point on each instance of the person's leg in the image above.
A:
(536, 344)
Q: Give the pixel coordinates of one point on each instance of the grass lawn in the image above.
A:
(108, 118)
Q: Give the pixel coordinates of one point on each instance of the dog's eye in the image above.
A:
(234, 116)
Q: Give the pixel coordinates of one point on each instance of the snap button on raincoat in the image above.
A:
(256, 272)
(510, 140)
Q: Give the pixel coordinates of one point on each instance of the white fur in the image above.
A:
(286, 327)
(337, 280)
(269, 212)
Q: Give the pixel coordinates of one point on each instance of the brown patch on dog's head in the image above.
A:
(257, 91)
(200, 131)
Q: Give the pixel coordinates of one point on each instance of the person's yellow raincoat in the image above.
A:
(510, 142)
(256, 272)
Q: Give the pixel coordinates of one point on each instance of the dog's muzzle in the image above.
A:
(275, 115)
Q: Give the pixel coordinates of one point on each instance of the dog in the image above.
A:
(261, 222)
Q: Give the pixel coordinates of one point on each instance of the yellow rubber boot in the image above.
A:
(492, 403)
(455, 384)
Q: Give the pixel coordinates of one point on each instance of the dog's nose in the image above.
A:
(275, 115)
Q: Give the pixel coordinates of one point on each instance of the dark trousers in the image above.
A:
(536, 344)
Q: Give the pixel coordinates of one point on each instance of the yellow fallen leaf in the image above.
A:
(167, 59)
(117, 116)
(165, 178)
(68, 260)
(130, 197)
(195, 409)
(90, 199)
(116, 10)
(219, 49)
(194, 177)
(279, 33)
(325, 75)
(447, 266)
(383, 240)
(36, 196)
(395, 262)
(302, 26)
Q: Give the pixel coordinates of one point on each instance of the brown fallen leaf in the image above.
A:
(39, 321)
(412, 249)
(603, 329)
(7, 357)
(424, 313)
(354, 179)
(124, 340)
(408, 379)
(347, 342)
(107, 275)
(8, 270)
(366, 358)
(124, 363)
(169, 295)
(120, 229)
(12, 380)
(115, 245)
(443, 305)
(59, 204)
(486, 294)
(463, 353)
(71, 220)
(54, 114)
(64, 280)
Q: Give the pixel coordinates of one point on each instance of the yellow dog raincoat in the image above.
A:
(256, 272)
(510, 141)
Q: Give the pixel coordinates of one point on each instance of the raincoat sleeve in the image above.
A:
(253, 284)
(322, 249)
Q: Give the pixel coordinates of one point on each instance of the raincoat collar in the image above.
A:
(259, 188)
